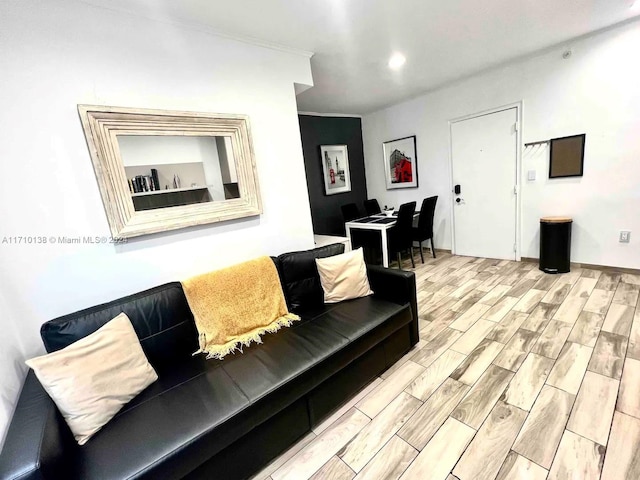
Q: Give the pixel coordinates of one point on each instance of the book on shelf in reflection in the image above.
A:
(144, 183)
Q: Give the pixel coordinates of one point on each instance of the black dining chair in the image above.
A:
(372, 206)
(350, 212)
(400, 235)
(360, 238)
(424, 230)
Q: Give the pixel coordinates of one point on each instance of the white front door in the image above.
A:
(484, 157)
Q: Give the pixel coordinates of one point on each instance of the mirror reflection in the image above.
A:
(171, 170)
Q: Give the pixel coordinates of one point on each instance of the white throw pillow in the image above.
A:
(343, 276)
(91, 379)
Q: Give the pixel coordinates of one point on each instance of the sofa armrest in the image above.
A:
(37, 439)
(397, 286)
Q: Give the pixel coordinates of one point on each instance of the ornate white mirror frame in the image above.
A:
(102, 125)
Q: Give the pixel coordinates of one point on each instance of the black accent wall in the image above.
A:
(316, 131)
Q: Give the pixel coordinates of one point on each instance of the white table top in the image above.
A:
(323, 240)
(375, 225)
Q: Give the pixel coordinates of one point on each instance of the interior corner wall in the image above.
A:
(56, 55)
(595, 91)
(319, 130)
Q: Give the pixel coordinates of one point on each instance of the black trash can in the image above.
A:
(555, 244)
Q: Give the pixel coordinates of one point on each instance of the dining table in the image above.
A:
(380, 222)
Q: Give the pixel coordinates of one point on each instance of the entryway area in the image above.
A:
(485, 157)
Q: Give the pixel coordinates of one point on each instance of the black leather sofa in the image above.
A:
(218, 419)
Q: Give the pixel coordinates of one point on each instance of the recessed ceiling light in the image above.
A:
(396, 61)
(635, 5)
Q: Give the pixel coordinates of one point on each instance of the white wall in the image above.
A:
(212, 166)
(55, 55)
(227, 160)
(596, 91)
(138, 150)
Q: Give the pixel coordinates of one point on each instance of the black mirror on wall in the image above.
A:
(566, 158)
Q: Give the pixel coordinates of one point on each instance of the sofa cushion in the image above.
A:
(91, 379)
(300, 279)
(354, 318)
(160, 316)
(285, 355)
(343, 277)
(174, 426)
(260, 370)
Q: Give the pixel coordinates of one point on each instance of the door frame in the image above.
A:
(519, 106)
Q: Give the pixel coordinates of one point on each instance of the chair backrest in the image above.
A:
(425, 222)
(350, 212)
(405, 219)
(372, 206)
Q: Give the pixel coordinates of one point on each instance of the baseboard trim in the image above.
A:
(529, 259)
(428, 248)
(604, 268)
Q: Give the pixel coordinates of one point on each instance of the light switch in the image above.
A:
(531, 175)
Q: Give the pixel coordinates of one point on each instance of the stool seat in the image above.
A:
(556, 220)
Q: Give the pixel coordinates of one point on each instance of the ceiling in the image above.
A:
(352, 40)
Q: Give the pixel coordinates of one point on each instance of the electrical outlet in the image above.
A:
(625, 236)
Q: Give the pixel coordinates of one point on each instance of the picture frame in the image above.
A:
(400, 163)
(102, 125)
(335, 169)
(566, 156)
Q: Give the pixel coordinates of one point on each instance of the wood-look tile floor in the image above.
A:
(517, 374)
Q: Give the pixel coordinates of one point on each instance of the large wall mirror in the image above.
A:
(161, 170)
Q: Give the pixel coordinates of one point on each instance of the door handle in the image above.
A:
(456, 189)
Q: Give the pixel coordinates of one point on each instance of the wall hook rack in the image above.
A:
(541, 142)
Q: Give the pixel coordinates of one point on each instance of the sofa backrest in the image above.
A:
(300, 279)
(163, 320)
(160, 316)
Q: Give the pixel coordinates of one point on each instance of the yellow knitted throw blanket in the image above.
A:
(236, 305)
